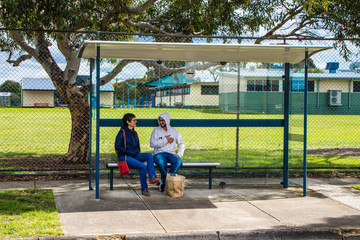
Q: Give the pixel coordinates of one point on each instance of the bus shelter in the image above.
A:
(202, 52)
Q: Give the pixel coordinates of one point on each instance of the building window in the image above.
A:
(209, 90)
(180, 90)
(298, 86)
(263, 86)
(172, 91)
(187, 90)
(356, 86)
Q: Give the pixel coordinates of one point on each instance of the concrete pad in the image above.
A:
(117, 212)
(192, 199)
(344, 193)
(207, 210)
(226, 216)
(245, 208)
(111, 222)
(250, 181)
(310, 212)
(262, 192)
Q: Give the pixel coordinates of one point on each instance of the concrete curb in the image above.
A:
(283, 234)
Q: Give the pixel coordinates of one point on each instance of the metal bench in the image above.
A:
(210, 166)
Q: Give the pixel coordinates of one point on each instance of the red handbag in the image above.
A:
(123, 166)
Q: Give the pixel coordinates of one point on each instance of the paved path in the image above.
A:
(245, 209)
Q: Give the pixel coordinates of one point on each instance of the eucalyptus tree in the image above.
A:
(68, 22)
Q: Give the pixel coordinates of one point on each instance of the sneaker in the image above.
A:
(154, 180)
(162, 187)
(145, 192)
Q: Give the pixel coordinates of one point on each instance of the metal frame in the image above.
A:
(92, 49)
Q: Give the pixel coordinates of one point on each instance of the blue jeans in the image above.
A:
(137, 162)
(161, 160)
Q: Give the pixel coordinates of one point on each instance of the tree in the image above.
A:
(54, 21)
(14, 88)
(11, 86)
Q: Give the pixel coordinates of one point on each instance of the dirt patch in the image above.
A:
(349, 152)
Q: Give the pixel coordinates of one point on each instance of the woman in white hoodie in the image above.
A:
(163, 140)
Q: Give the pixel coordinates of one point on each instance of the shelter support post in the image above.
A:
(305, 122)
(286, 126)
(90, 123)
(97, 119)
(237, 116)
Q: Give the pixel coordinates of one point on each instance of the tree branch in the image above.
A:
(117, 69)
(65, 46)
(16, 62)
(164, 70)
(108, 16)
(19, 40)
(141, 8)
(286, 19)
(147, 25)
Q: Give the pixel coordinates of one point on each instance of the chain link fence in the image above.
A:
(47, 111)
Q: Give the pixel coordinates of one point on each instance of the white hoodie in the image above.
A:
(159, 142)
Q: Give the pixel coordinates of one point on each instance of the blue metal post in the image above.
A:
(90, 116)
(97, 119)
(128, 98)
(305, 122)
(286, 126)
(123, 100)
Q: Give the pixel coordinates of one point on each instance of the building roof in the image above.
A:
(272, 73)
(170, 80)
(45, 84)
(166, 51)
(5, 94)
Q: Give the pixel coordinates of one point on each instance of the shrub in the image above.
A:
(178, 104)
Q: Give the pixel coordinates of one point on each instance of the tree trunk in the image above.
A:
(78, 151)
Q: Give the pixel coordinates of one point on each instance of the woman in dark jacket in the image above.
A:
(127, 147)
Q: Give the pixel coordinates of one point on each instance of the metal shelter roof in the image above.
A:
(197, 51)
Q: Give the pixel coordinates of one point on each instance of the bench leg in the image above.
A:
(210, 178)
(111, 178)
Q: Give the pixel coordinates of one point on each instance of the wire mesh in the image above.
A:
(46, 114)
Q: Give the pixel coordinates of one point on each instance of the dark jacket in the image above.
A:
(132, 143)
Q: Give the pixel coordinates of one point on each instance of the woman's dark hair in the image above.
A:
(127, 117)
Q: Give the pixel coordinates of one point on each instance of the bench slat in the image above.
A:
(190, 165)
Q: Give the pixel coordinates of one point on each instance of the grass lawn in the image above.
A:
(46, 132)
(28, 213)
(356, 187)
